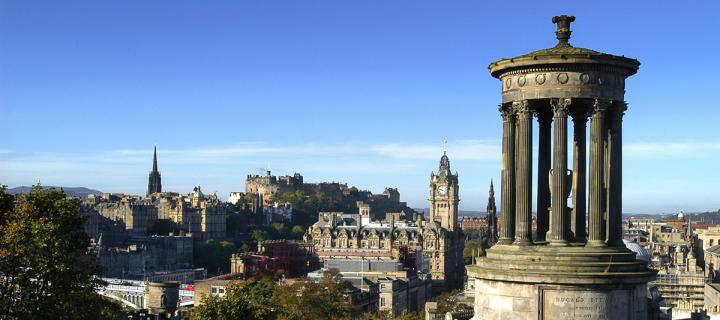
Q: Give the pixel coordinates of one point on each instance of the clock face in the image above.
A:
(442, 190)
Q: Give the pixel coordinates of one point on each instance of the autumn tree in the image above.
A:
(45, 267)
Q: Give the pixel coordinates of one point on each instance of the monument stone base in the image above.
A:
(544, 282)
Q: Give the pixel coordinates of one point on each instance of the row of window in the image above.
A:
(217, 291)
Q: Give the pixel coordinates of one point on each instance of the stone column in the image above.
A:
(614, 189)
(596, 235)
(558, 176)
(507, 193)
(544, 115)
(577, 220)
(523, 165)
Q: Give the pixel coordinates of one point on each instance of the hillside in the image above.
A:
(78, 192)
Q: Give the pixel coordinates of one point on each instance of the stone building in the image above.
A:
(214, 287)
(135, 213)
(269, 185)
(205, 216)
(146, 256)
(575, 266)
(278, 212)
(683, 289)
(393, 288)
(439, 239)
(473, 223)
(293, 258)
(392, 194)
(707, 239)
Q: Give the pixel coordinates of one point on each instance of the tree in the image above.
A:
(297, 232)
(215, 255)
(247, 199)
(260, 235)
(280, 230)
(251, 299)
(471, 249)
(385, 315)
(327, 299)
(44, 261)
(446, 302)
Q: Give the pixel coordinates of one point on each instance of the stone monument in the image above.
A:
(161, 298)
(573, 267)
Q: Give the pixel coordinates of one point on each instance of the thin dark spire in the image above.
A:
(154, 158)
(491, 196)
(154, 181)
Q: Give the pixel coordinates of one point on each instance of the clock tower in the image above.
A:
(444, 195)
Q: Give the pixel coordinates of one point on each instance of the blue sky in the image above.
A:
(362, 92)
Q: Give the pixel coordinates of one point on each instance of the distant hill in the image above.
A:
(78, 192)
(708, 217)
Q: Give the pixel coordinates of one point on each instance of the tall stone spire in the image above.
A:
(154, 183)
(492, 217)
(154, 158)
(491, 197)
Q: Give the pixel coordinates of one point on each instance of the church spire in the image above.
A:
(154, 158)
(154, 181)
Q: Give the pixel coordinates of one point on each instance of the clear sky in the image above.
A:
(362, 92)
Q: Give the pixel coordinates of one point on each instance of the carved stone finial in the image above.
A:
(563, 29)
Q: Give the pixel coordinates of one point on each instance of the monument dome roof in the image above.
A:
(563, 54)
(197, 193)
(640, 252)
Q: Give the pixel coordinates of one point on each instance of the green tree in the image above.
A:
(320, 202)
(297, 232)
(280, 229)
(247, 199)
(47, 271)
(260, 235)
(215, 256)
(354, 190)
(385, 315)
(471, 248)
(446, 302)
(327, 299)
(330, 298)
(250, 300)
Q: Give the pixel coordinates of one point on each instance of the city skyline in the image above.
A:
(336, 92)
